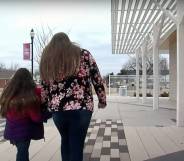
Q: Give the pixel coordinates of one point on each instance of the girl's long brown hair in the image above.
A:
(19, 93)
(60, 58)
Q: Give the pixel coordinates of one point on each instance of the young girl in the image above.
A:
(20, 105)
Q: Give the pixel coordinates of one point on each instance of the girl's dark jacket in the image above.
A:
(24, 126)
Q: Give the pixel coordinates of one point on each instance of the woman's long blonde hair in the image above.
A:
(60, 58)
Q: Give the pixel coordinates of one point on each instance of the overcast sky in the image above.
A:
(88, 22)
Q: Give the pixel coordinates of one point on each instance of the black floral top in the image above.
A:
(75, 92)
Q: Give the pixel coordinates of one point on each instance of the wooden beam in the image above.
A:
(120, 26)
(125, 25)
(149, 28)
(167, 12)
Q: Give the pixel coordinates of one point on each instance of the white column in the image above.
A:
(109, 85)
(156, 79)
(180, 63)
(144, 82)
(137, 72)
(172, 70)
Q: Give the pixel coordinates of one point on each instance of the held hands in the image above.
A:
(101, 105)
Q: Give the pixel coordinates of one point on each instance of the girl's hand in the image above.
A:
(101, 105)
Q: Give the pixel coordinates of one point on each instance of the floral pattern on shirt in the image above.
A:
(75, 92)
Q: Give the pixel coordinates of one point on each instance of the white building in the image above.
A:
(152, 27)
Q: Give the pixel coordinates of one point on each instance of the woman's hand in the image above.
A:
(101, 105)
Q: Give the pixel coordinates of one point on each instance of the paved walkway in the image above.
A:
(2, 124)
(126, 130)
(106, 141)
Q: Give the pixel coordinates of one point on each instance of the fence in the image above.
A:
(126, 85)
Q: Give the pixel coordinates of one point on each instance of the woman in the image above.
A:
(67, 72)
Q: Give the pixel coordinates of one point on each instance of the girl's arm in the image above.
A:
(35, 112)
(35, 115)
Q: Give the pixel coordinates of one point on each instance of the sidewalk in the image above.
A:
(121, 132)
(134, 113)
(164, 102)
(2, 124)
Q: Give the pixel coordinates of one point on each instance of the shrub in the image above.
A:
(164, 94)
(140, 94)
(149, 95)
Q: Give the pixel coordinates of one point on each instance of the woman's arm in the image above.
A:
(97, 82)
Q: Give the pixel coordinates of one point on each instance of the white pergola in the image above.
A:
(140, 27)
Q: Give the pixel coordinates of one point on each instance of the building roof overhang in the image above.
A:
(132, 21)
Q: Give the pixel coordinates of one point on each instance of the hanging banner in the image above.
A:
(26, 51)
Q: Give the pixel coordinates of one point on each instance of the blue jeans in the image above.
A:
(72, 126)
(22, 150)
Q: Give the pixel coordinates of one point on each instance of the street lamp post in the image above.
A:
(32, 39)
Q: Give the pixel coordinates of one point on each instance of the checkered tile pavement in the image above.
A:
(106, 141)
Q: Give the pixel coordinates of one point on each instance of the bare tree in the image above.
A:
(14, 67)
(2, 66)
(42, 38)
(130, 66)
